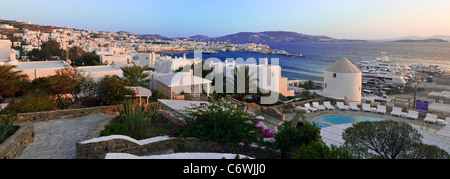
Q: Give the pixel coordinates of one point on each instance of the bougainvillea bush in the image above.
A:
(221, 122)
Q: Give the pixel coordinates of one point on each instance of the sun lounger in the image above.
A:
(341, 106)
(299, 107)
(430, 118)
(412, 114)
(381, 109)
(366, 107)
(318, 106)
(328, 105)
(307, 106)
(354, 107)
(443, 122)
(396, 111)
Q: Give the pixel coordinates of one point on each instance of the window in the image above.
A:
(325, 85)
(334, 75)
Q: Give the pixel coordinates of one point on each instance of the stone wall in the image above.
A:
(274, 112)
(68, 113)
(123, 144)
(98, 150)
(15, 144)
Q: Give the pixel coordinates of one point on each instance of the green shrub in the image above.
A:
(302, 134)
(114, 128)
(389, 139)
(137, 119)
(319, 150)
(6, 127)
(220, 122)
(112, 90)
(33, 101)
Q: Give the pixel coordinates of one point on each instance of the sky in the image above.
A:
(350, 19)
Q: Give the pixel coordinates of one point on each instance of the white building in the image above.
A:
(5, 50)
(170, 65)
(98, 72)
(40, 68)
(6, 26)
(268, 76)
(342, 80)
(183, 86)
(141, 59)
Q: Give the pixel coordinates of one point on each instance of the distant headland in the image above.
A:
(424, 40)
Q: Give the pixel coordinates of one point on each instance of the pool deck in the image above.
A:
(333, 136)
(333, 133)
(314, 116)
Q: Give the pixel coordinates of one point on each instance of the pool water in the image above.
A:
(355, 119)
(345, 120)
(320, 125)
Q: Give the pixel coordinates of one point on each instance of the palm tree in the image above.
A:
(250, 83)
(11, 81)
(136, 76)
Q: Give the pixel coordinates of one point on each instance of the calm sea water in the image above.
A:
(320, 55)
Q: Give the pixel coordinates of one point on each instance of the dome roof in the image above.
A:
(343, 65)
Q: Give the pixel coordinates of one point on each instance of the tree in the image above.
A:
(11, 82)
(296, 133)
(222, 122)
(48, 50)
(136, 76)
(424, 151)
(51, 48)
(79, 57)
(250, 82)
(68, 80)
(308, 85)
(76, 53)
(384, 139)
(319, 150)
(112, 90)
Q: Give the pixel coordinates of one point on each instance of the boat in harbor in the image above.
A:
(210, 52)
(299, 55)
(383, 71)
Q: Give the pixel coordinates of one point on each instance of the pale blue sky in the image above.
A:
(363, 19)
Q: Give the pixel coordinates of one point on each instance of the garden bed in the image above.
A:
(13, 146)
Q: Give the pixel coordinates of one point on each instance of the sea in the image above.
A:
(320, 55)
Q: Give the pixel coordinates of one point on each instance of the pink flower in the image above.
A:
(217, 144)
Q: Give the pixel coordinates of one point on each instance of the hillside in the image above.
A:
(425, 40)
(269, 36)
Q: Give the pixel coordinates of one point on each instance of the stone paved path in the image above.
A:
(56, 139)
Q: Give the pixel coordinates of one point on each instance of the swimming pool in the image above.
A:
(320, 125)
(336, 120)
(347, 119)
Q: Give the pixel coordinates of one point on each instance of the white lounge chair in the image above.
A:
(307, 106)
(430, 118)
(299, 107)
(318, 106)
(412, 115)
(366, 107)
(396, 111)
(381, 109)
(341, 106)
(328, 105)
(443, 122)
(354, 107)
